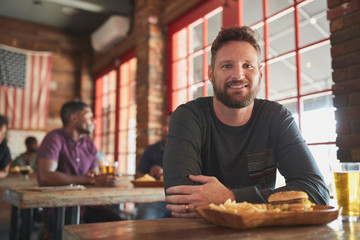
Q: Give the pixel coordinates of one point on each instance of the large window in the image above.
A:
(115, 113)
(126, 133)
(295, 52)
(105, 110)
(190, 41)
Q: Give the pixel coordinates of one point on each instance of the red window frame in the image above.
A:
(230, 17)
(122, 124)
(101, 136)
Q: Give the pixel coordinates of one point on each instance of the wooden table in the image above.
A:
(17, 180)
(197, 228)
(60, 197)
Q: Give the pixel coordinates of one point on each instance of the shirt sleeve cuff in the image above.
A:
(249, 194)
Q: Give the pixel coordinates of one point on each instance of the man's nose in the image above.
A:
(239, 72)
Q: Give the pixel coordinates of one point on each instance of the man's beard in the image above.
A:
(233, 100)
(85, 129)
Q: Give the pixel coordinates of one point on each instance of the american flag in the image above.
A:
(24, 87)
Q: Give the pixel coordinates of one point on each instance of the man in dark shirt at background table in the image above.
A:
(152, 163)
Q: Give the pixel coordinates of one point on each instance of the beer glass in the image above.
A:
(346, 188)
(24, 170)
(109, 168)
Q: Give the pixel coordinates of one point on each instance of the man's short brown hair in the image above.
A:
(243, 33)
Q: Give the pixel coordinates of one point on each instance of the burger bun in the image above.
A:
(290, 201)
(287, 196)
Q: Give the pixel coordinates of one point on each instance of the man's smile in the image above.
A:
(237, 85)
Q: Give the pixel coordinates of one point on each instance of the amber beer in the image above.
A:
(347, 192)
(108, 168)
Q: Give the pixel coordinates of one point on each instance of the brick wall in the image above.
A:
(70, 78)
(150, 87)
(344, 17)
(151, 19)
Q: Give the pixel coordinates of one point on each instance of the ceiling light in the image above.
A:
(313, 20)
(38, 3)
(308, 64)
(83, 5)
(69, 10)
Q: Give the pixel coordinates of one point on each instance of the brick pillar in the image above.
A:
(150, 87)
(86, 81)
(344, 17)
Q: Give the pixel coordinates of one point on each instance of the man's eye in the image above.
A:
(248, 66)
(226, 66)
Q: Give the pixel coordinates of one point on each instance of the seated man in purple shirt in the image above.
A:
(68, 156)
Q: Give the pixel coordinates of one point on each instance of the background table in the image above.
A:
(17, 180)
(39, 197)
(197, 228)
(12, 180)
(59, 198)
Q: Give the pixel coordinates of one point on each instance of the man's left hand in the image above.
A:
(183, 199)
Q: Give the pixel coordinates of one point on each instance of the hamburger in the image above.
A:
(290, 201)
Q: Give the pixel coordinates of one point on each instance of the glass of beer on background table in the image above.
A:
(109, 168)
(24, 170)
(346, 188)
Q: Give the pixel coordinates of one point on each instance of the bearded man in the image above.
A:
(68, 156)
(230, 146)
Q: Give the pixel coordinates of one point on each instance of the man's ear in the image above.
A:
(261, 68)
(74, 117)
(210, 73)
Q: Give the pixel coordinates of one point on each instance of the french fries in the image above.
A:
(243, 207)
(145, 178)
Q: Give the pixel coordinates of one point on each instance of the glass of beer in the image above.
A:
(346, 188)
(24, 170)
(109, 168)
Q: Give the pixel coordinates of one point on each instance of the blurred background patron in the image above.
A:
(4, 150)
(152, 163)
(68, 156)
(27, 158)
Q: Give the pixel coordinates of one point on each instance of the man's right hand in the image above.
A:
(105, 180)
(183, 199)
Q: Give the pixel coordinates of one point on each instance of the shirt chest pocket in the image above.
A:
(262, 168)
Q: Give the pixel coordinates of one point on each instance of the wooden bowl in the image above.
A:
(321, 214)
(157, 183)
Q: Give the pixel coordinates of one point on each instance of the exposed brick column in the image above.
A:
(150, 87)
(344, 16)
(86, 81)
